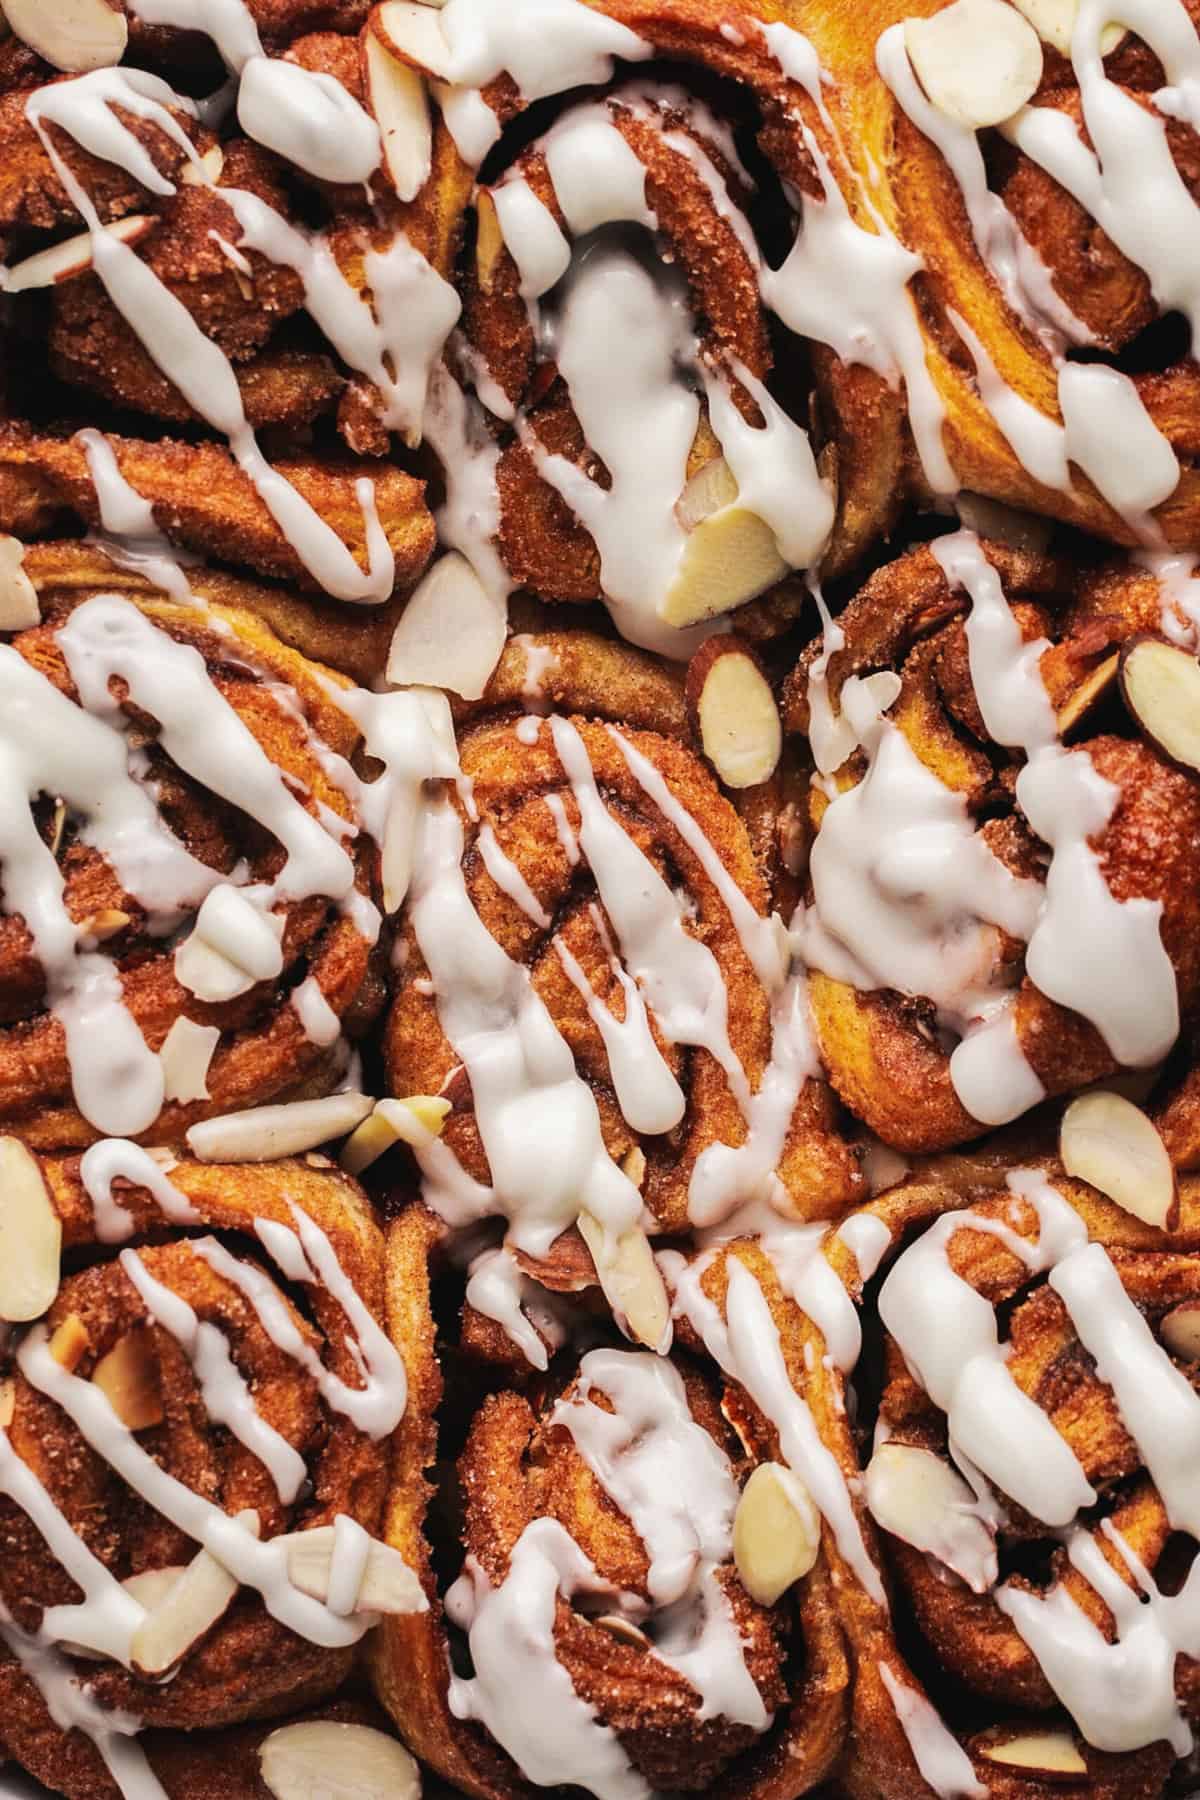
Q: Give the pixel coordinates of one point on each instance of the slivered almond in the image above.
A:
(30, 1236)
(388, 1584)
(396, 95)
(69, 1342)
(451, 633)
(413, 32)
(489, 240)
(919, 1498)
(410, 1121)
(1047, 1753)
(150, 1587)
(266, 1132)
(73, 35)
(631, 1281)
(1089, 692)
(1180, 1330)
(19, 608)
(776, 1533)
(191, 1606)
(130, 1379)
(978, 60)
(8, 1402)
(1054, 20)
(623, 1629)
(73, 256)
(210, 166)
(1161, 685)
(730, 555)
(633, 1164)
(733, 712)
(1108, 1141)
(186, 1056)
(109, 922)
(318, 1759)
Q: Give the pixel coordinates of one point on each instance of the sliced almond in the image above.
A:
(386, 1583)
(69, 1342)
(1040, 1752)
(1161, 685)
(186, 1057)
(633, 1164)
(776, 1533)
(74, 35)
(411, 1121)
(73, 256)
(8, 1402)
(1089, 692)
(1054, 21)
(266, 1132)
(1108, 1141)
(130, 1379)
(413, 32)
(489, 240)
(631, 1281)
(189, 1609)
(712, 488)
(624, 1630)
(729, 557)
(30, 1236)
(978, 60)
(109, 922)
(150, 1587)
(451, 633)
(919, 1498)
(1180, 1331)
(733, 712)
(205, 170)
(321, 1759)
(19, 608)
(397, 97)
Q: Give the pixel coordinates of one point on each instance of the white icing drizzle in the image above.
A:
(114, 1159)
(868, 1239)
(509, 879)
(562, 825)
(497, 1289)
(939, 1756)
(226, 1395)
(520, 1691)
(650, 1098)
(676, 1487)
(746, 1346)
(128, 533)
(320, 1023)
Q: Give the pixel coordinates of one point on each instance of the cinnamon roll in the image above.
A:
(198, 1401)
(619, 1616)
(189, 927)
(587, 938)
(996, 831)
(1027, 1432)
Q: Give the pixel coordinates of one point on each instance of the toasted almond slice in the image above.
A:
(30, 1236)
(1108, 1141)
(109, 922)
(1180, 1330)
(731, 556)
(1054, 20)
(19, 608)
(451, 633)
(489, 240)
(776, 1533)
(623, 1629)
(8, 1402)
(413, 32)
(130, 1378)
(1091, 690)
(412, 1121)
(210, 166)
(186, 1057)
(69, 1342)
(919, 1498)
(396, 95)
(1161, 685)
(733, 712)
(150, 1587)
(1041, 1752)
(73, 256)
(633, 1164)
(266, 1132)
(384, 1582)
(711, 489)
(978, 60)
(74, 35)
(191, 1606)
(632, 1282)
(321, 1759)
